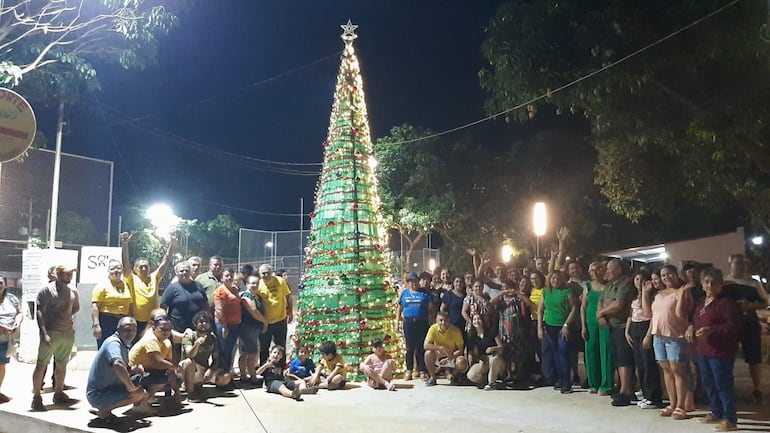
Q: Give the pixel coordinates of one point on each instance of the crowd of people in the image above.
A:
(645, 334)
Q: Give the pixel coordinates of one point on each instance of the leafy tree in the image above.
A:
(218, 236)
(68, 35)
(682, 122)
(73, 228)
(415, 183)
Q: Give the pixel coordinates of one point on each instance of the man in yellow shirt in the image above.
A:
(444, 348)
(143, 284)
(276, 297)
(153, 353)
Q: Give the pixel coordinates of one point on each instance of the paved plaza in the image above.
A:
(413, 408)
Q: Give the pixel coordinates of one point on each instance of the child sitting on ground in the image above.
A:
(302, 366)
(378, 367)
(330, 373)
(276, 383)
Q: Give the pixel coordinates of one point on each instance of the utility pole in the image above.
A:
(56, 172)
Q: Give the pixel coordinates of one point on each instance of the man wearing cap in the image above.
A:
(276, 296)
(414, 309)
(57, 302)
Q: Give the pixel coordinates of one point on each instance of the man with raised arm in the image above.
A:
(143, 283)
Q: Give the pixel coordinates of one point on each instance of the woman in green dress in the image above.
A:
(598, 351)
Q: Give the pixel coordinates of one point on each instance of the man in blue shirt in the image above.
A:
(109, 381)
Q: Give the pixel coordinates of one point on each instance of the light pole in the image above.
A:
(540, 224)
(269, 245)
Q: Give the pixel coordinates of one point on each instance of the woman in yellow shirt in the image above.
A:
(110, 301)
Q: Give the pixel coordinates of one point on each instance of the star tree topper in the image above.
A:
(349, 31)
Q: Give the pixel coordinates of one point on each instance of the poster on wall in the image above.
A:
(94, 263)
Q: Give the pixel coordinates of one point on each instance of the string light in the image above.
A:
(346, 297)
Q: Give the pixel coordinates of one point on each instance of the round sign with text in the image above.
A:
(17, 125)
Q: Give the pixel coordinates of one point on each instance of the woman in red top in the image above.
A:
(227, 315)
(716, 332)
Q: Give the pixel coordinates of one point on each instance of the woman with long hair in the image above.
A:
(670, 312)
(598, 354)
(556, 311)
(640, 340)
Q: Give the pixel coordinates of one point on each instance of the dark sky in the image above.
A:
(168, 126)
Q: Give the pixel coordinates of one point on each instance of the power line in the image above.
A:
(574, 82)
(231, 92)
(240, 209)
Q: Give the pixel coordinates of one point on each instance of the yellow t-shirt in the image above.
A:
(535, 298)
(112, 298)
(140, 352)
(274, 296)
(145, 296)
(329, 366)
(451, 338)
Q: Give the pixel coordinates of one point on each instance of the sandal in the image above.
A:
(667, 411)
(680, 414)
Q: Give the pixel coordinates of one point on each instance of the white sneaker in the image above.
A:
(639, 395)
(641, 402)
(647, 404)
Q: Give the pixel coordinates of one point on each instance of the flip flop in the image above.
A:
(679, 414)
(667, 411)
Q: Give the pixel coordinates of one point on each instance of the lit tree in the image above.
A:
(346, 296)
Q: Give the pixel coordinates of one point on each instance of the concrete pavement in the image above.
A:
(413, 408)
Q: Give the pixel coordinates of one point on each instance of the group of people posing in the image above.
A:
(177, 339)
(659, 332)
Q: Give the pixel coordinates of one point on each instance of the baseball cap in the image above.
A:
(65, 269)
(412, 277)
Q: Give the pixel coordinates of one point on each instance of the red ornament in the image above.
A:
(341, 344)
(361, 291)
(378, 248)
(355, 206)
(309, 261)
(386, 284)
(362, 323)
(343, 310)
(332, 253)
(355, 131)
(387, 338)
(330, 224)
(326, 143)
(312, 214)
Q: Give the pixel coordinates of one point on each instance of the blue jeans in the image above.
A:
(414, 334)
(227, 345)
(717, 377)
(555, 364)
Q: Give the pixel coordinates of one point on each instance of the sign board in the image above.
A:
(17, 125)
(94, 263)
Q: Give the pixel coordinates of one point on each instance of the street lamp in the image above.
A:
(269, 244)
(506, 253)
(757, 240)
(540, 223)
(163, 219)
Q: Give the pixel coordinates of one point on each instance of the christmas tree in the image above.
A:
(345, 295)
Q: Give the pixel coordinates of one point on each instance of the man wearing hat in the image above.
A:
(56, 303)
(414, 308)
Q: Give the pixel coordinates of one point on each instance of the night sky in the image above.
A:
(257, 79)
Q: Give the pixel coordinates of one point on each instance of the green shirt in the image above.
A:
(622, 290)
(555, 306)
(205, 350)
